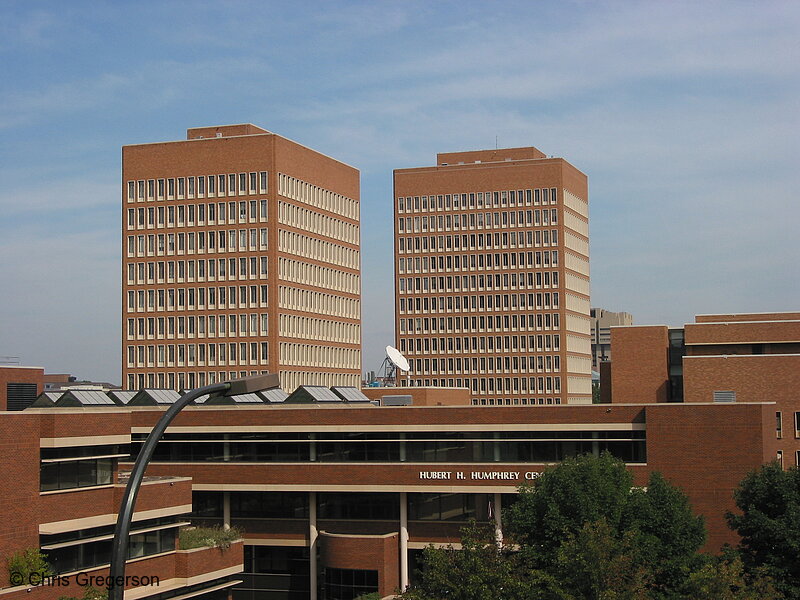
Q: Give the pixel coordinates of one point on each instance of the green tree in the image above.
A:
(583, 532)
(769, 525)
(26, 562)
(667, 534)
(596, 564)
(596, 394)
(723, 578)
(659, 534)
(481, 570)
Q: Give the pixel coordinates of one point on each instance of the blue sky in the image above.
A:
(683, 115)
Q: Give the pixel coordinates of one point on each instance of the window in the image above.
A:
(73, 474)
(343, 584)
(778, 425)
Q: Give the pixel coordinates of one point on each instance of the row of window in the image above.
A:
(347, 584)
(446, 202)
(779, 424)
(310, 247)
(244, 267)
(191, 215)
(199, 186)
(479, 262)
(171, 355)
(75, 474)
(546, 363)
(506, 322)
(483, 323)
(506, 281)
(473, 262)
(497, 220)
(96, 553)
(297, 189)
(315, 222)
(312, 355)
(505, 343)
(298, 271)
(448, 243)
(488, 302)
(183, 380)
(300, 300)
(200, 242)
(467, 449)
(514, 401)
(231, 325)
(319, 329)
(291, 380)
(501, 385)
(242, 296)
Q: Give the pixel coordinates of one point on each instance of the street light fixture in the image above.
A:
(119, 547)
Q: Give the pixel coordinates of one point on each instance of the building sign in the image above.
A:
(480, 475)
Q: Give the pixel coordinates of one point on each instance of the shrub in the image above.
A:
(28, 561)
(216, 537)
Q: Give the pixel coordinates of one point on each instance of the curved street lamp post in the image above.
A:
(119, 547)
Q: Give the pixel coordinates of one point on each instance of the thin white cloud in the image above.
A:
(148, 87)
(56, 196)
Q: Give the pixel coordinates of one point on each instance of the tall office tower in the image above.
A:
(602, 322)
(492, 276)
(240, 256)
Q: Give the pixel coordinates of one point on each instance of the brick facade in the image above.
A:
(10, 375)
(26, 512)
(492, 267)
(256, 255)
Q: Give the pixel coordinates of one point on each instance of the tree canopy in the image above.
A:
(769, 525)
(584, 531)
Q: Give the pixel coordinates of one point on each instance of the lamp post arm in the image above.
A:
(119, 547)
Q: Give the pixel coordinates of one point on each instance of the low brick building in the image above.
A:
(60, 493)
(725, 358)
(338, 498)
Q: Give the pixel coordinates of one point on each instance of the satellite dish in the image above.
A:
(393, 362)
(394, 355)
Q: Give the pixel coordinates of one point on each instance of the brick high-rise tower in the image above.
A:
(492, 276)
(240, 255)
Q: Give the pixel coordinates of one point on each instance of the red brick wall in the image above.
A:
(19, 375)
(759, 378)
(747, 333)
(19, 486)
(640, 369)
(754, 378)
(706, 451)
(731, 317)
(375, 553)
(422, 396)
(190, 563)
(63, 423)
